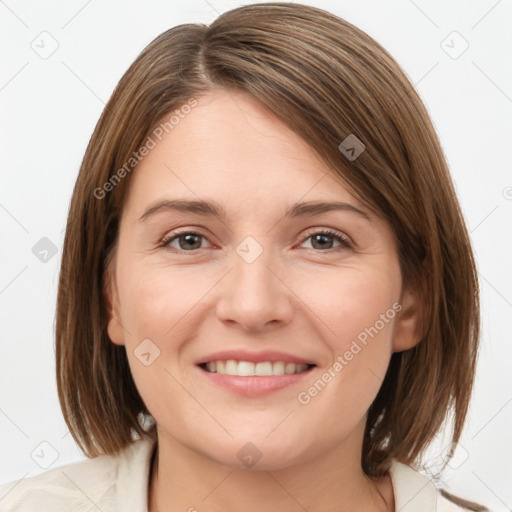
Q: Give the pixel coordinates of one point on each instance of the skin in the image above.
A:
(298, 296)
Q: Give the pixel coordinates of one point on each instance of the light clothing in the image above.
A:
(109, 483)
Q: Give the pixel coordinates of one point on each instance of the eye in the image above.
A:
(187, 241)
(320, 239)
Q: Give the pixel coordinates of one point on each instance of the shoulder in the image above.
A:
(82, 486)
(414, 491)
(69, 487)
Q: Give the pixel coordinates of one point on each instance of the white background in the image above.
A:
(49, 110)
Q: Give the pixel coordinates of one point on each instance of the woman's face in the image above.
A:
(265, 282)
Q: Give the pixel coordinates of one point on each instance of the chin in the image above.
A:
(258, 455)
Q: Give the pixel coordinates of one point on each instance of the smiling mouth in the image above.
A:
(250, 369)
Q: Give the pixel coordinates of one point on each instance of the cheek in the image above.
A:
(360, 309)
(355, 304)
(364, 318)
(154, 307)
(156, 303)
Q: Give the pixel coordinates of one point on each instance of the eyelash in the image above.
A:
(345, 242)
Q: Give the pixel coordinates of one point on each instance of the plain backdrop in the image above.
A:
(59, 64)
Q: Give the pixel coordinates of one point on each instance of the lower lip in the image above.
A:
(255, 385)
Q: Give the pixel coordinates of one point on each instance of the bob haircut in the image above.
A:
(325, 79)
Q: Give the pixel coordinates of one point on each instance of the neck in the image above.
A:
(183, 479)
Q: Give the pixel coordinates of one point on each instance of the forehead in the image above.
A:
(232, 148)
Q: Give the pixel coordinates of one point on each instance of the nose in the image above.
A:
(255, 295)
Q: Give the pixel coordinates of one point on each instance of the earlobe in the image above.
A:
(114, 326)
(408, 328)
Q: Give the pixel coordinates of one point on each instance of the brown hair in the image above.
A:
(326, 80)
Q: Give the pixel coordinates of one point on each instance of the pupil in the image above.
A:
(316, 237)
(187, 237)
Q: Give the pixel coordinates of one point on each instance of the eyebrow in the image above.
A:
(211, 208)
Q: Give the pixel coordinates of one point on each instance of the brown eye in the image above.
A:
(187, 241)
(322, 240)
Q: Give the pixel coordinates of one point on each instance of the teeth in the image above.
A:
(278, 368)
(289, 368)
(249, 369)
(231, 367)
(263, 369)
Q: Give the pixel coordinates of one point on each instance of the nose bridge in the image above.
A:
(252, 272)
(254, 295)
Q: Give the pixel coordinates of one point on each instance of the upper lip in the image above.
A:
(254, 357)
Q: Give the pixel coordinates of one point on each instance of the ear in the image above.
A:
(408, 328)
(114, 326)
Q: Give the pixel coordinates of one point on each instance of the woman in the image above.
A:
(307, 347)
